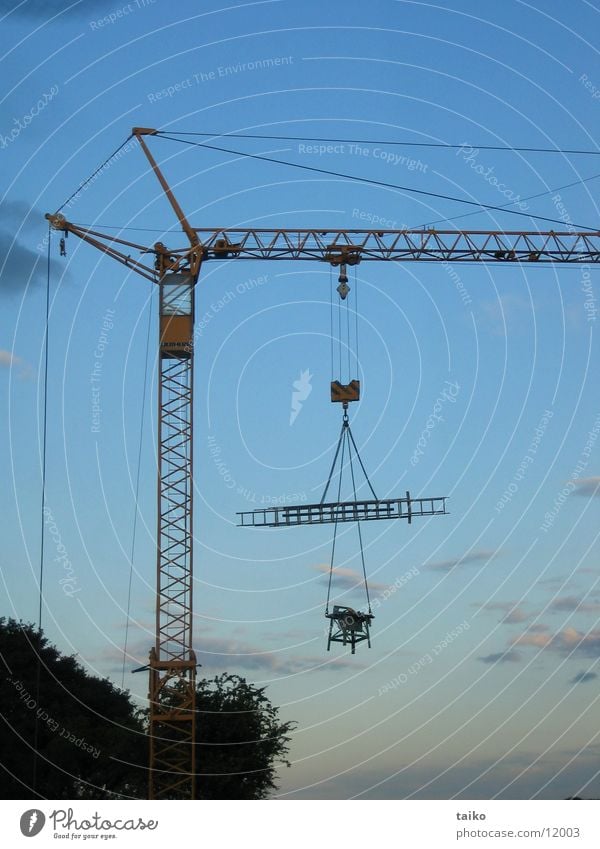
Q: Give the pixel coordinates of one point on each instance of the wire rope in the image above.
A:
(38, 675)
(137, 489)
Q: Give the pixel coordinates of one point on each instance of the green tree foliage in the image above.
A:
(90, 737)
(240, 740)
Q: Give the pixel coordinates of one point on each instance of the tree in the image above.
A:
(91, 739)
(240, 740)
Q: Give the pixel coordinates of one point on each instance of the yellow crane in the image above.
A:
(175, 270)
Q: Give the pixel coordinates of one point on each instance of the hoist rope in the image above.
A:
(137, 490)
(335, 526)
(331, 320)
(362, 553)
(331, 471)
(38, 674)
(361, 465)
(346, 437)
(356, 322)
(348, 337)
(340, 336)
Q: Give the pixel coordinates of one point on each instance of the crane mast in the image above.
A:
(172, 664)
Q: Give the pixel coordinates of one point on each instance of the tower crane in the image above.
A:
(176, 270)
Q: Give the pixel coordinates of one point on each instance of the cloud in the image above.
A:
(514, 613)
(510, 656)
(23, 260)
(515, 616)
(347, 578)
(538, 628)
(476, 556)
(8, 360)
(540, 641)
(570, 602)
(587, 487)
(11, 361)
(565, 641)
(221, 653)
(583, 678)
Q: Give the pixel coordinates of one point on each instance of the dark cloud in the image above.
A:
(23, 260)
(587, 486)
(478, 556)
(510, 656)
(538, 628)
(345, 578)
(568, 603)
(222, 654)
(516, 615)
(583, 677)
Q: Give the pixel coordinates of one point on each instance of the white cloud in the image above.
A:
(8, 359)
(565, 641)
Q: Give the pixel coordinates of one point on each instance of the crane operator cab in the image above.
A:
(348, 626)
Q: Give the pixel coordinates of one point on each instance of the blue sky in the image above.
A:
(483, 675)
